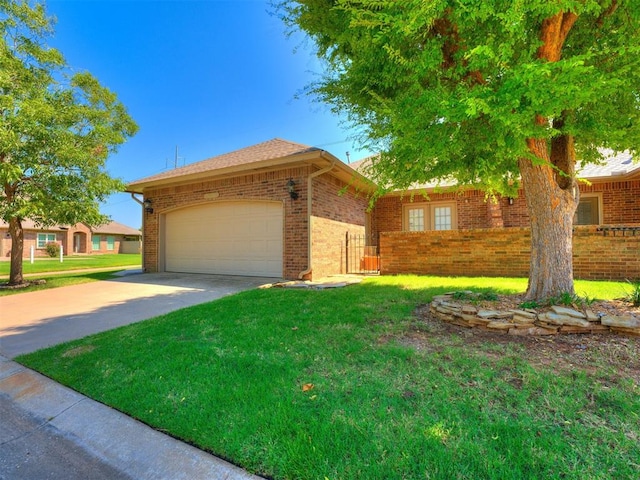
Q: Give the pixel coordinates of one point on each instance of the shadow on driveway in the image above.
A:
(35, 320)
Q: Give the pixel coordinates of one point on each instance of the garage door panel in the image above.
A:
(239, 238)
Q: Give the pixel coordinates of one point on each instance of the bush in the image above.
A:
(53, 249)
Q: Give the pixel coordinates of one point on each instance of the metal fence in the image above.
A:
(362, 254)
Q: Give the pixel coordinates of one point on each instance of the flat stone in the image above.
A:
(523, 313)
(626, 321)
(468, 309)
(447, 310)
(499, 325)
(591, 316)
(522, 320)
(627, 331)
(557, 319)
(450, 305)
(469, 318)
(490, 314)
(479, 321)
(567, 311)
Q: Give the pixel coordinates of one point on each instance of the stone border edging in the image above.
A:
(555, 320)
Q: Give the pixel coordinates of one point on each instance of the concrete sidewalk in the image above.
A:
(49, 431)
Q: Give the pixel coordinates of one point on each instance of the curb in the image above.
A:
(120, 441)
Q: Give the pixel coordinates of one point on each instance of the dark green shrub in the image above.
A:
(52, 249)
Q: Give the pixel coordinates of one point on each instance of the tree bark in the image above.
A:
(17, 248)
(550, 188)
(551, 211)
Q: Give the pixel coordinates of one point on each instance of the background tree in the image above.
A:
(493, 94)
(56, 133)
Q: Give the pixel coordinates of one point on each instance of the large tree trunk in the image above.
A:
(550, 188)
(552, 198)
(17, 248)
(551, 210)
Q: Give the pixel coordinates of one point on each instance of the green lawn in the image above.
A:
(351, 384)
(73, 262)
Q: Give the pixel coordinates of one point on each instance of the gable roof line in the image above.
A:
(271, 155)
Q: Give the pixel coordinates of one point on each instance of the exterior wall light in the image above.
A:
(510, 200)
(291, 188)
(147, 205)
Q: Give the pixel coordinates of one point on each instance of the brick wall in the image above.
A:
(336, 210)
(265, 186)
(505, 252)
(620, 205)
(347, 208)
(63, 238)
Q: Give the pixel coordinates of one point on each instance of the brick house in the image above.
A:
(417, 231)
(276, 209)
(281, 209)
(112, 237)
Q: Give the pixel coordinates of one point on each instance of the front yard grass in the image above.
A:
(73, 262)
(325, 385)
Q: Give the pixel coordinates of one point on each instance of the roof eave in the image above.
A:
(263, 165)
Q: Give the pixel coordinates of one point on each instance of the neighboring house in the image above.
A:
(112, 237)
(281, 209)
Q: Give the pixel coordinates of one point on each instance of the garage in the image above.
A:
(231, 238)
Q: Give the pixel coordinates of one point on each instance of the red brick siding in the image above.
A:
(271, 186)
(64, 238)
(505, 252)
(620, 205)
(328, 245)
(336, 210)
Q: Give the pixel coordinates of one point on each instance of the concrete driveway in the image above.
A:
(34, 320)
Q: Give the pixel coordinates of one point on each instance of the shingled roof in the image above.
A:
(262, 152)
(615, 165)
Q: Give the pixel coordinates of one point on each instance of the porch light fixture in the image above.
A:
(291, 188)
(510, 200)
(147, 206)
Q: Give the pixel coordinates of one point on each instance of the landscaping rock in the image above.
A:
(557, 319)
(626, 321)
(567, 311)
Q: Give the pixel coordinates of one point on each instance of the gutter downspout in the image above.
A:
(309, 205)
(139, 202)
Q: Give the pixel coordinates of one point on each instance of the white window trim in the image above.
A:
(46, 240)
(429, 217)
(597, 195)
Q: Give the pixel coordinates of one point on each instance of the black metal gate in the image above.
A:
(362, 254)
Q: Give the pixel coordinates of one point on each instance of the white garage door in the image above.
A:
(233, 238)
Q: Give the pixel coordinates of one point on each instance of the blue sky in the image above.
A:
(207, 76)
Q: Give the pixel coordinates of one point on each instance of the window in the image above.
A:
(95, 242)
(44, 238)
(588, 211)
(430, 216)
(442, 218)
(416, 219)
(111, 243)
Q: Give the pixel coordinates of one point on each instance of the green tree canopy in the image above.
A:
(491, 93)
(57, 130)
